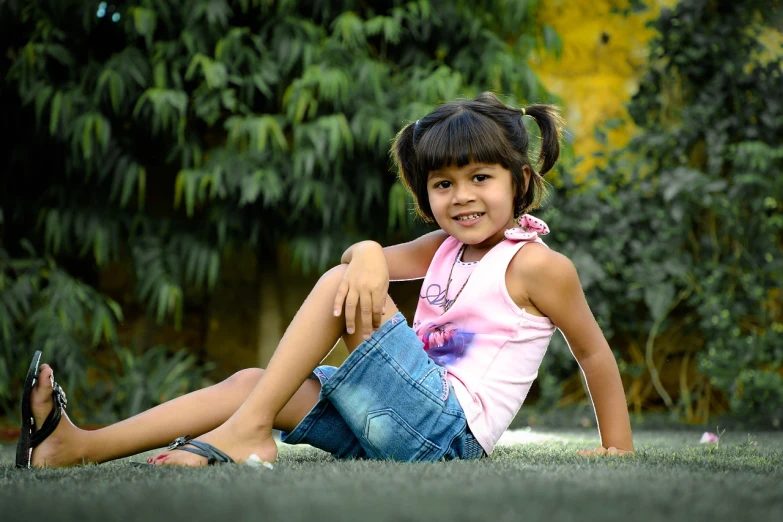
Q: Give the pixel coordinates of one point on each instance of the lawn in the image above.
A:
(535, 475)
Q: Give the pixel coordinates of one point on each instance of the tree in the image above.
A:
(679, 239)
(166, 133)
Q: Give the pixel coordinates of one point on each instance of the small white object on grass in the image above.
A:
(255, 462)
(708, 438)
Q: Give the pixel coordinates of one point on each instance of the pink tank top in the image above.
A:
(490, 347)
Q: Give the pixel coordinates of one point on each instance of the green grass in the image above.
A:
(672, 478)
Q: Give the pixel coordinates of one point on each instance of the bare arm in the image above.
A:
(407, 260)
(553, 286)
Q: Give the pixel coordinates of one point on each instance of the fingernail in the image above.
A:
(350, 330)
(366, 336)
(336, 313)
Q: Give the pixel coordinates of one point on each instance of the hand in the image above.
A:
(366, 284)
(601, 451)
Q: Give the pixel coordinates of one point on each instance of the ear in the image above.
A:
(526, 173)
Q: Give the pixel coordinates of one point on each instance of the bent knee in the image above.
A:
(246, 378)
(335, 272)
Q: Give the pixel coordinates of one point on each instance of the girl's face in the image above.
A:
(474, 203)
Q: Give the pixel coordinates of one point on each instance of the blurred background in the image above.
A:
(176, 175)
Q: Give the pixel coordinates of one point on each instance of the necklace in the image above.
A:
(446, 303)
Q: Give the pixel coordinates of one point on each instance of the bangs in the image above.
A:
(466, 137)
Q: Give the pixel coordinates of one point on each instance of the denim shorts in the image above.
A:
(387, 401)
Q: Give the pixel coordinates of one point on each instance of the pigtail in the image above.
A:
(403, 156)
(550, 123)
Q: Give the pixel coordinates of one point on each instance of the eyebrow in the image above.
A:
(468, 172)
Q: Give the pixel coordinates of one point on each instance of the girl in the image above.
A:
(446, 388)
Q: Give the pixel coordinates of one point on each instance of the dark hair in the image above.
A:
(482, 130)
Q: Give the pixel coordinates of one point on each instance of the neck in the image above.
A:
(477, 251)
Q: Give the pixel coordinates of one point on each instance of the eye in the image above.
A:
(482, 176)
(440, 184)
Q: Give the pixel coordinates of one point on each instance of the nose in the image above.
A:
(462, 194)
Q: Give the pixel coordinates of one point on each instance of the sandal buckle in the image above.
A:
(179, 441)
(59, 394)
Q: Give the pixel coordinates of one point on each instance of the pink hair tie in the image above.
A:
(529, 228)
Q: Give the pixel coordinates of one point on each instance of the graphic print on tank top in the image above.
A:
(448, 343)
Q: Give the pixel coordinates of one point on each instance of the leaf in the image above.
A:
(397, 205)
(116, 87)
(349, 29)
(214, 73)
(42, 96)
(60, 53)
(185, 186)
(142, 190)
(55, 114)
(144, 21)
(214, 269)
(658, 297)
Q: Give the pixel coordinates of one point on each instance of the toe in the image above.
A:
(43, 385)
(160, 459)
(41, 395)
(182, 458)
(45, 378)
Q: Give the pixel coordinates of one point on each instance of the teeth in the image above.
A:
(472, 216)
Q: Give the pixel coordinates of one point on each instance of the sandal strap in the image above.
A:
(60, 402)
(203, 449)
(217, 455)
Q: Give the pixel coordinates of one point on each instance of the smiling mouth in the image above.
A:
(469, 217)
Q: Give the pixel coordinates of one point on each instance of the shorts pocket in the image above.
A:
(435, 382)
(390, 437)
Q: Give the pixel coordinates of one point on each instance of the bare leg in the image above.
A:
(204, 410)
(193, 414)
(308, 339)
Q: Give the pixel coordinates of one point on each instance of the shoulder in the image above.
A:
(552, 285)
(543, 272)
(537, 260)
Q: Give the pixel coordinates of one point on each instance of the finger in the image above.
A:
(383, 310)
(339, 298)
(377, 311)
(350, 310)
(366, 306)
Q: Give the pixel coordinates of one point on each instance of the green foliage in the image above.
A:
(682, 232)
(147, 379)
(42, 307)
(187, 128)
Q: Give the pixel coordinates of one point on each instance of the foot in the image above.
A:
(232, 440)
(58, 450)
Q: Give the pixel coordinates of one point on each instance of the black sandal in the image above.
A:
(29, 437)
(203, 449)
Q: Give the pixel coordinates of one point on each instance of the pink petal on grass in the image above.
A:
(708, 438)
